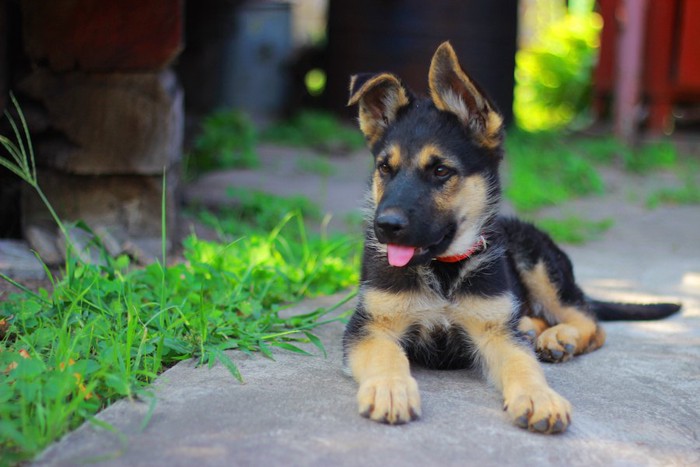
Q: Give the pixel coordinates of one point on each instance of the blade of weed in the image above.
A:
(24, 289)
(228, 363)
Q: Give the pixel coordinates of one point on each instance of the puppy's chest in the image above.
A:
(433, 314)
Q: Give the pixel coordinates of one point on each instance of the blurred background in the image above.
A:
(117, 95)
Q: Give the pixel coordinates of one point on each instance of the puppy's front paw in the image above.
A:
(539, 409)
(393, 400)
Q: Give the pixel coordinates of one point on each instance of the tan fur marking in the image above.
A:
(586, 334)
(470, 204)
(405, 309)
(532, 324)
(471, 199)
(377, 188)
(379, 99)
(528, 399)
(387, 390)
(491, 136)
(453, 91)
(426, 154)
(389, 311)
(393, 155)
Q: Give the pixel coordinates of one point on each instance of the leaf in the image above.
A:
(290, 347)
(29, 368)
(178, 345)
(117, 384)
(316, 342)
(265, 350)
(8, 431)
(228, 363)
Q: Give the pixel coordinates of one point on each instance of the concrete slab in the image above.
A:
(636, 401)
(18, 262)
(286, 173)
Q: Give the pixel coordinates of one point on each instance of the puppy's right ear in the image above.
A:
(379, 97)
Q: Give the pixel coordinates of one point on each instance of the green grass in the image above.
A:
(651, 156)
(227, 140)
(689, 193)
(104, 332)
(121, 327)
(549, 168)
(316, 165)
(543, 169)
(574, 230)
(317, 130)
(254, 211)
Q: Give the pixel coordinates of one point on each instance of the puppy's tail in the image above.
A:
(612, 311)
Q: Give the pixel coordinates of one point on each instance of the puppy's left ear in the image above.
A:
(379, 98)
(453, 91)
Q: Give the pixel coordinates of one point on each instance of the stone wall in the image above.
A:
(106, 112)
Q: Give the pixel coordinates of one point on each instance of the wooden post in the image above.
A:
(630, 46)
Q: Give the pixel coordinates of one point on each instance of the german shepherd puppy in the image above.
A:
(446, 282)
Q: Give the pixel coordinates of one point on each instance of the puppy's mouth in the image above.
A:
(403, 255)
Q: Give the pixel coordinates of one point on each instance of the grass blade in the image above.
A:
(290, 347)
(228, 363)
(316, 342)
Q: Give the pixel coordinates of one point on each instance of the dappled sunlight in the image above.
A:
(691, 283)
(622, 290)
(612, 284)
(667, 327)
(554, 66)
(596, 444)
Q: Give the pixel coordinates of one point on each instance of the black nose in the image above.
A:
(390, 223)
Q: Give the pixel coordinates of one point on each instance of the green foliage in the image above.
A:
(573, 229)
(553, 75)
(548, 168)
(106, 331)
(688, 193)
(543, 171)
(255, 211)
(315, 129)
(227, 140)
(316, 165)
(651, 156)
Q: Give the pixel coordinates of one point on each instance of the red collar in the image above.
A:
(479, 245)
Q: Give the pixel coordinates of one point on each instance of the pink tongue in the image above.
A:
(399, 256)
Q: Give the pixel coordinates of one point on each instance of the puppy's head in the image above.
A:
(435, 183)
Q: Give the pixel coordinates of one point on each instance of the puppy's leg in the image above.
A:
(575, 330)
(531, 327)
(387, 391)
(548, 277)
(513, 368)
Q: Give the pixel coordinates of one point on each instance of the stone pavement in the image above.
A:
(636, 401)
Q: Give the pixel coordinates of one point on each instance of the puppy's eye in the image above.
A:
(442, 171)
(384, 168)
